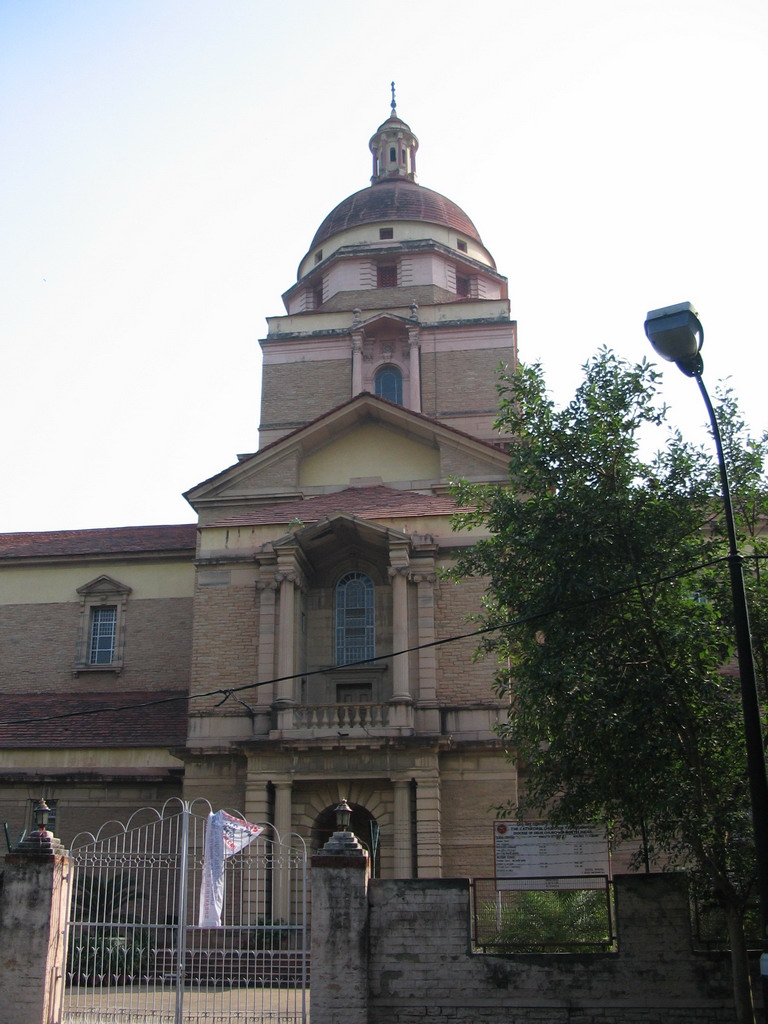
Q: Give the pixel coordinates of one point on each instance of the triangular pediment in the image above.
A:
(368, 441)
(385, 323)
(320, 542)
(104, 586)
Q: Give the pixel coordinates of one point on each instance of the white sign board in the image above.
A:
(531, 849)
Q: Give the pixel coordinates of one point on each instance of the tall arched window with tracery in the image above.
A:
(389, 384)
(355, 618)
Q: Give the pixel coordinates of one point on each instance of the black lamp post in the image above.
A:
(677, 335)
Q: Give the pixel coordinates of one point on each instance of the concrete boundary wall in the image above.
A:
(420, 965)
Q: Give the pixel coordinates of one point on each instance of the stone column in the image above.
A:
(403, 853)
(401, 702)
(34, 905)
(428, 719)
(340, 874)
(400, 680)
(256, 807)
(281, 895)
(429, 846)
(283, 819)
(257, 810)
(265, 665)
(414, 352)
(286, 638)
(399, 567)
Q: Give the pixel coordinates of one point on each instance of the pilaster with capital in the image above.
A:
(426, 582)
(289, 579)
(266, 588)
(414, 353)
(398, 574)
(403, 854)
(357, 362)
(428, 818)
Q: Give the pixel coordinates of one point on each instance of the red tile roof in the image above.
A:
(140, 723)
(363, 502)
(114, 541)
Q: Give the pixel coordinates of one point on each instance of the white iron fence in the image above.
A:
(135, 951)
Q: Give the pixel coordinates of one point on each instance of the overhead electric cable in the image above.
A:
(226, 693)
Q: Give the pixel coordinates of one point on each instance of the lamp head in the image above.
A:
(677, 336)
(343, 816)
(42, 814)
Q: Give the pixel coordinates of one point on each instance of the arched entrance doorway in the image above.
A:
(363, 824)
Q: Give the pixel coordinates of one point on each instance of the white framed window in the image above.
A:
(101, 637)
(355, 618)
(102, 634)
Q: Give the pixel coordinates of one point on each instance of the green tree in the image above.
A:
(606, 589)
(747, 459)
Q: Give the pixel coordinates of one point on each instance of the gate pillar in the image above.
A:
(340, 874)
(34, 906)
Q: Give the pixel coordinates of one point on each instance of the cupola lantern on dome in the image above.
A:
(392, 198)
(394, 149)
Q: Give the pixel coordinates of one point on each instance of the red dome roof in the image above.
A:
(395, 200)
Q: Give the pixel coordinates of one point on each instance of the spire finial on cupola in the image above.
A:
(394, 148)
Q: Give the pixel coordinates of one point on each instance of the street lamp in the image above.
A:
(343, 816)
(677, 335)
(42, 814)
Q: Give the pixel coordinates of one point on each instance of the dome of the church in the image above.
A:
(393, 200)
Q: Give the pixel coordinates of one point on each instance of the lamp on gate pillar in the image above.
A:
(42, 815)
(677, 335)
(343, 816)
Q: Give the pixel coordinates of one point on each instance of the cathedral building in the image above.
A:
(296, 645)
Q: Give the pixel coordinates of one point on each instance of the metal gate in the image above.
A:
(135, 952)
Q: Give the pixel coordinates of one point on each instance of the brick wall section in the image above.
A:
(654, 979)
(283, 472)
(298, 392)
(225, 641)
(40, 643)
(473, 782)
(475, 369)
(457, 463)
(460, 680)
(477, 373)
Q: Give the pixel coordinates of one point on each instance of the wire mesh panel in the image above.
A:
(527, 915)
(136, 953)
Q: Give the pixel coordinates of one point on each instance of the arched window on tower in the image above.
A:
(389, 384)
(355, 618)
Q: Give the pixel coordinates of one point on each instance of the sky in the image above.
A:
(165, 164)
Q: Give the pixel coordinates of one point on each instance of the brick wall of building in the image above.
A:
(82, 806)
(464, 355)
(298, 392)
(474, 781)
(460, 679)
(226, 636)
(41, 642)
